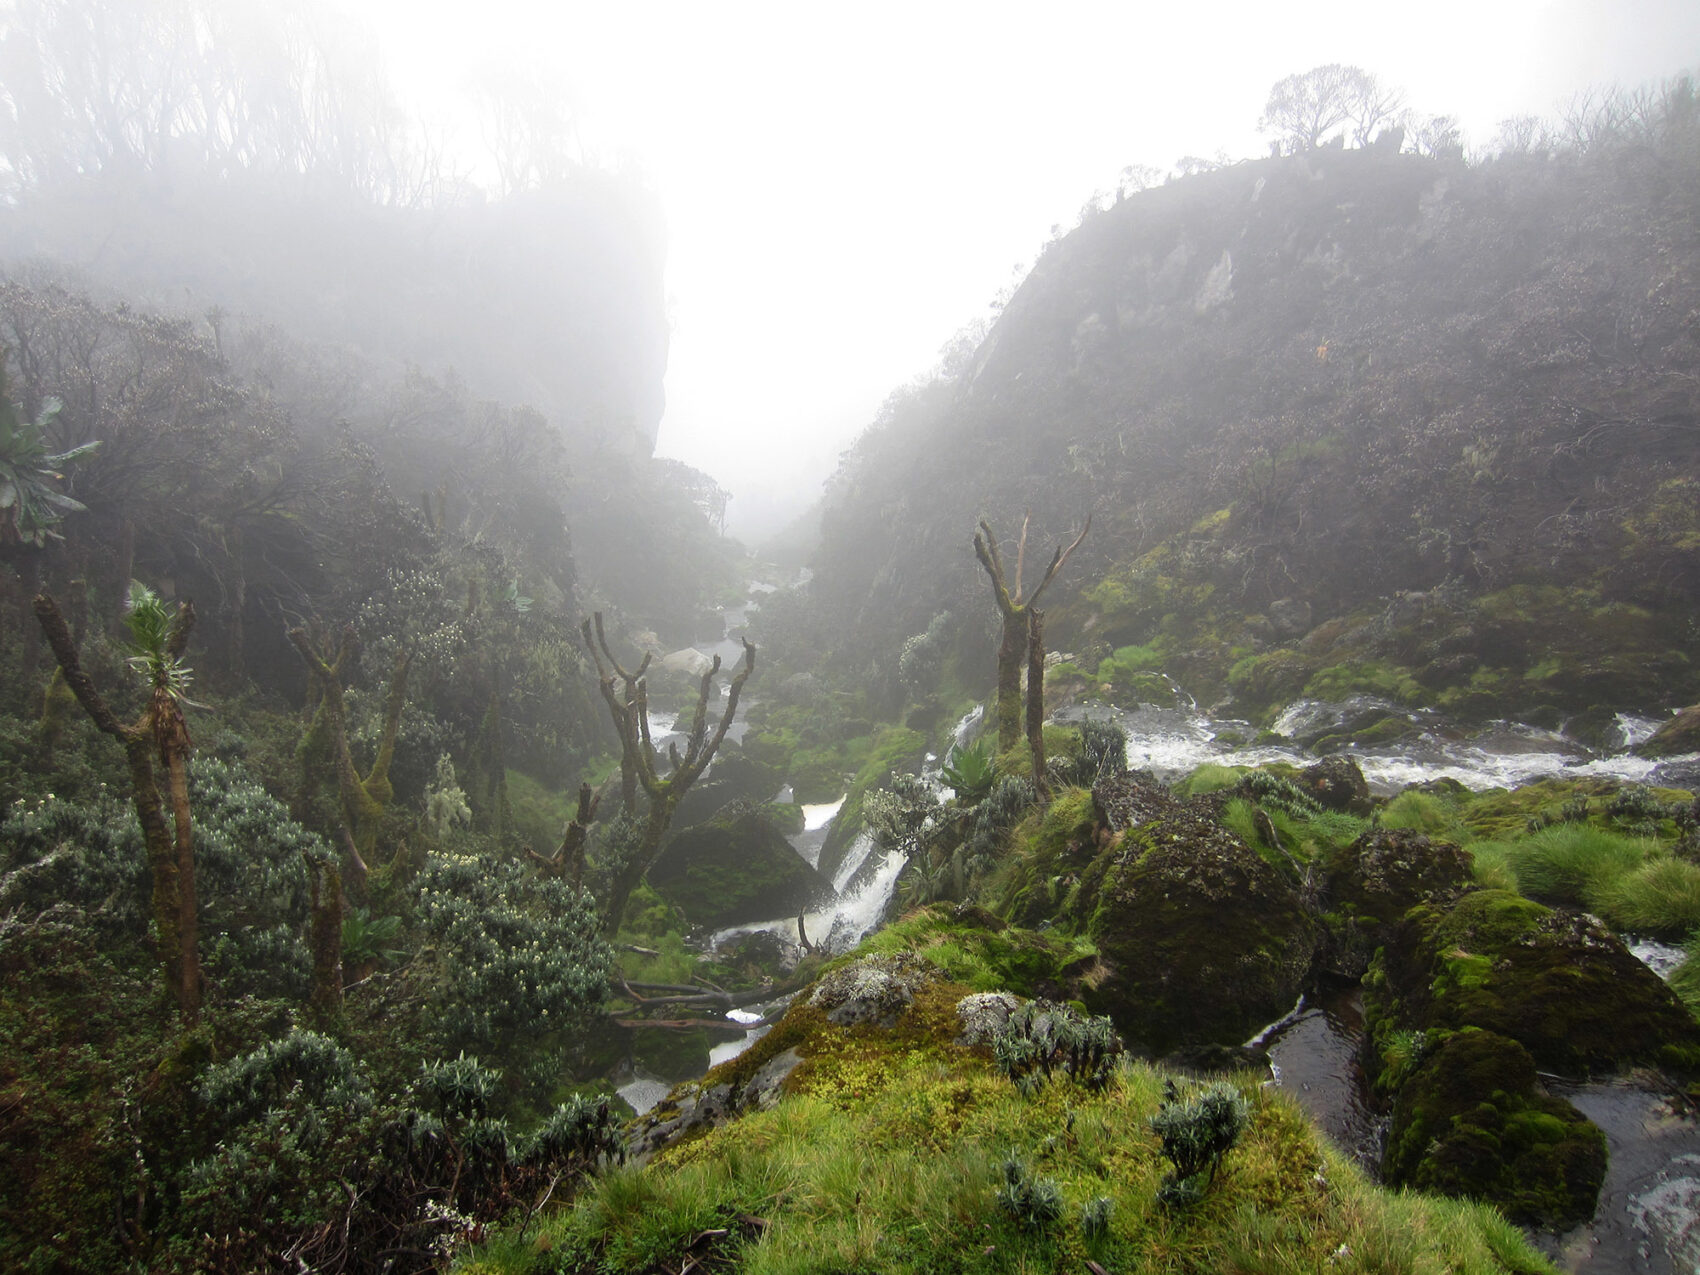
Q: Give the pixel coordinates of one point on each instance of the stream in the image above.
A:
(1648, 1219)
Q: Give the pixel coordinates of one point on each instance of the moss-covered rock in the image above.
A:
(736, 868)
(1471, 1122)
(1336, 783)
(1202, 941)
(1557, 983)
(1051, 850)
(735, 776)
(1679, 736)
(1370, 884)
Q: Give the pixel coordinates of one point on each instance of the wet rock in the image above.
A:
(1125, 801)
(760, 952)
(1290, 617)
(1336, 783)
(1677, 737)
(1559, 984)
(736, 868)
(1371, 883)
(1472, 1122)
(733, 777)
(1203, 942)
(765, 1087)
(687, 1108)
(1596, 729)
(984, 1015)
(875, 989)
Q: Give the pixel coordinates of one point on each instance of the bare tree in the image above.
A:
(628, 707)
(1304, 110)
(324, 752)
(1373, 106)
(1014, 609)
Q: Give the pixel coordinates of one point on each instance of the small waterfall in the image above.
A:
(969, 726)
(854, 858)
(862, 890)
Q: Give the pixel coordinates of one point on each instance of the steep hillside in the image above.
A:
(1345, 420)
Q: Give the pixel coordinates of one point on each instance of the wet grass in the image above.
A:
(900, 1175)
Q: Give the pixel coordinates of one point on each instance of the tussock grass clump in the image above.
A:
(1423, 812)
(1573, 862)
(1661, 897)
(1209, 777)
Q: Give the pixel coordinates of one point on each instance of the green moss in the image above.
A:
(884, 1156)
(1368, 677)
(1271, 679)
(1470, 1123)
(1023, 961)
(1048, 849)
(1554, 982)
(1203, 941)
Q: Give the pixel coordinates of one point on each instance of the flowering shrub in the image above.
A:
(516, 954)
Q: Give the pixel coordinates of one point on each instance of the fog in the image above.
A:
(845, 189)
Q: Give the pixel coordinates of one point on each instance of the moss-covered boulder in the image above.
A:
(1201, 941)
(1336, 783)
(1472, 1122)
(1374, 881)
(1557, 983)
(735, 776)
(736, 868)
(1676, 738)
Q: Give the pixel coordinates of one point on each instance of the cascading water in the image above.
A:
(1173, 741)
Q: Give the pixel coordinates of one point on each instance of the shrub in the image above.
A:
(970, 772)
(516, 954)
(1034, 1203)
(1095, 1216)
(1196, 1135)
(1273, 791)
(1042, 1036)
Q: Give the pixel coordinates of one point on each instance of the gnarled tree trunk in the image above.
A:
(1013, 608)
(630, 714)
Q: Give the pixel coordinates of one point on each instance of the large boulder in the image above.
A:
(1557, 983)
(1677, 737)
(736, 868)
(734, 776)
(1336, 783)
(1203, 941)
(1471, 1121)
(1372, 883)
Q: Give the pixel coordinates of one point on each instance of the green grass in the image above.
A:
(897, 1172)
(1660, 897)
(1209, 777)
(1423, 812)
(1573, 863)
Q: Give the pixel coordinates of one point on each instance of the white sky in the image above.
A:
(847, 186)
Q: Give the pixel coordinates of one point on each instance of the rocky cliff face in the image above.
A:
(1294, 390)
